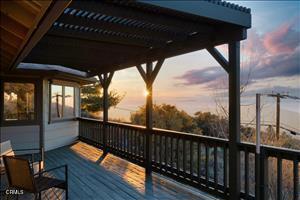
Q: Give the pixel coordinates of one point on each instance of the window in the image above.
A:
(19, 100)
(62, 102)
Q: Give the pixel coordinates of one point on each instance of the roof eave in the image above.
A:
(221, 11)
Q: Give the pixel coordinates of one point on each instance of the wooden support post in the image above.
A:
(149, 77)
(234, 120)
(42, 129)
(105, 82)
(149, 118)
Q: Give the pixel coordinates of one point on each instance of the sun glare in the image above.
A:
(146, 93)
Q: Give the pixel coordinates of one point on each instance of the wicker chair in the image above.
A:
(21, 177)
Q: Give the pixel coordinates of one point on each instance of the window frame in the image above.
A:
(35, 121)
(62, 119)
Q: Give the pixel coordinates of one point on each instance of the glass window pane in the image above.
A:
(69, 102)
(56, 101)
(18, 101)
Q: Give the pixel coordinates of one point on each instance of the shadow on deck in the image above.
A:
(93, 175)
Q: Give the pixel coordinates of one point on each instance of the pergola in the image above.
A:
(100, 37)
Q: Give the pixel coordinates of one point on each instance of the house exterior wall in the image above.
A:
(59, 133)
(56, 134)
(21, 137)
(21, 134)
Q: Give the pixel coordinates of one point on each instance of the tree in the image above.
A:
(166, 116)
(211, 124)
(92, 98)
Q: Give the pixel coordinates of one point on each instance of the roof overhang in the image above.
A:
(98, 37)
(22, 24)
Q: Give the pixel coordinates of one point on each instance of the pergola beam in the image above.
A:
(133, 13)
(118, 27)
(219, 58)
(150, 75)
(142, 72)
(103, 37)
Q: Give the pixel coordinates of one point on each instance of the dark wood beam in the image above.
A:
(234, 120)
(219, 58)
(53, 12)
(104, 37)
(113, 9)
(142, 72)
(110, 76)
(81, 53)
(156, 70)
(118, 27)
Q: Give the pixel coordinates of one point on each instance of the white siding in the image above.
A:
(21, 137)
(58, 134)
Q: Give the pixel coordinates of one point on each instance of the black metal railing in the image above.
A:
(197, 160)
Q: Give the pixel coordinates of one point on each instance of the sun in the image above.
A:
(146, 93)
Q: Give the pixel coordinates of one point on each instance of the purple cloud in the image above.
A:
(275, 54)
(284, 39)
(202, 76)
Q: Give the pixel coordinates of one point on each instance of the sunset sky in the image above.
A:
(270, 62)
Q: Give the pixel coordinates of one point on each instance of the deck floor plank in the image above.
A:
(95, 176)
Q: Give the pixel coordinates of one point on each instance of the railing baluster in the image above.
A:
(135, 143)
(117, 138)
(131, 143)
(225, 169)
(128, 141)
(216, 166)
(171, 161)
(138, 143)
(184, 155)
(160, 151)
(123, 139)
(191, 158)
(279, 177)
(206, 163)
(166, 149)
(199, 161)
(155, 148)
(246, 173)
(296, 180)
(177, 154)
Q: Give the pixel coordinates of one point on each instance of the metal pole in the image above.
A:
(277, 115)
(257, 155)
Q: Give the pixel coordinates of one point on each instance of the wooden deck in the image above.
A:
(95, 176)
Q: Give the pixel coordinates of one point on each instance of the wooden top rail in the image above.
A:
(164, 132)
(271, 151)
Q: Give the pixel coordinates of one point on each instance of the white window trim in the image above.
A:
(63, 84)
